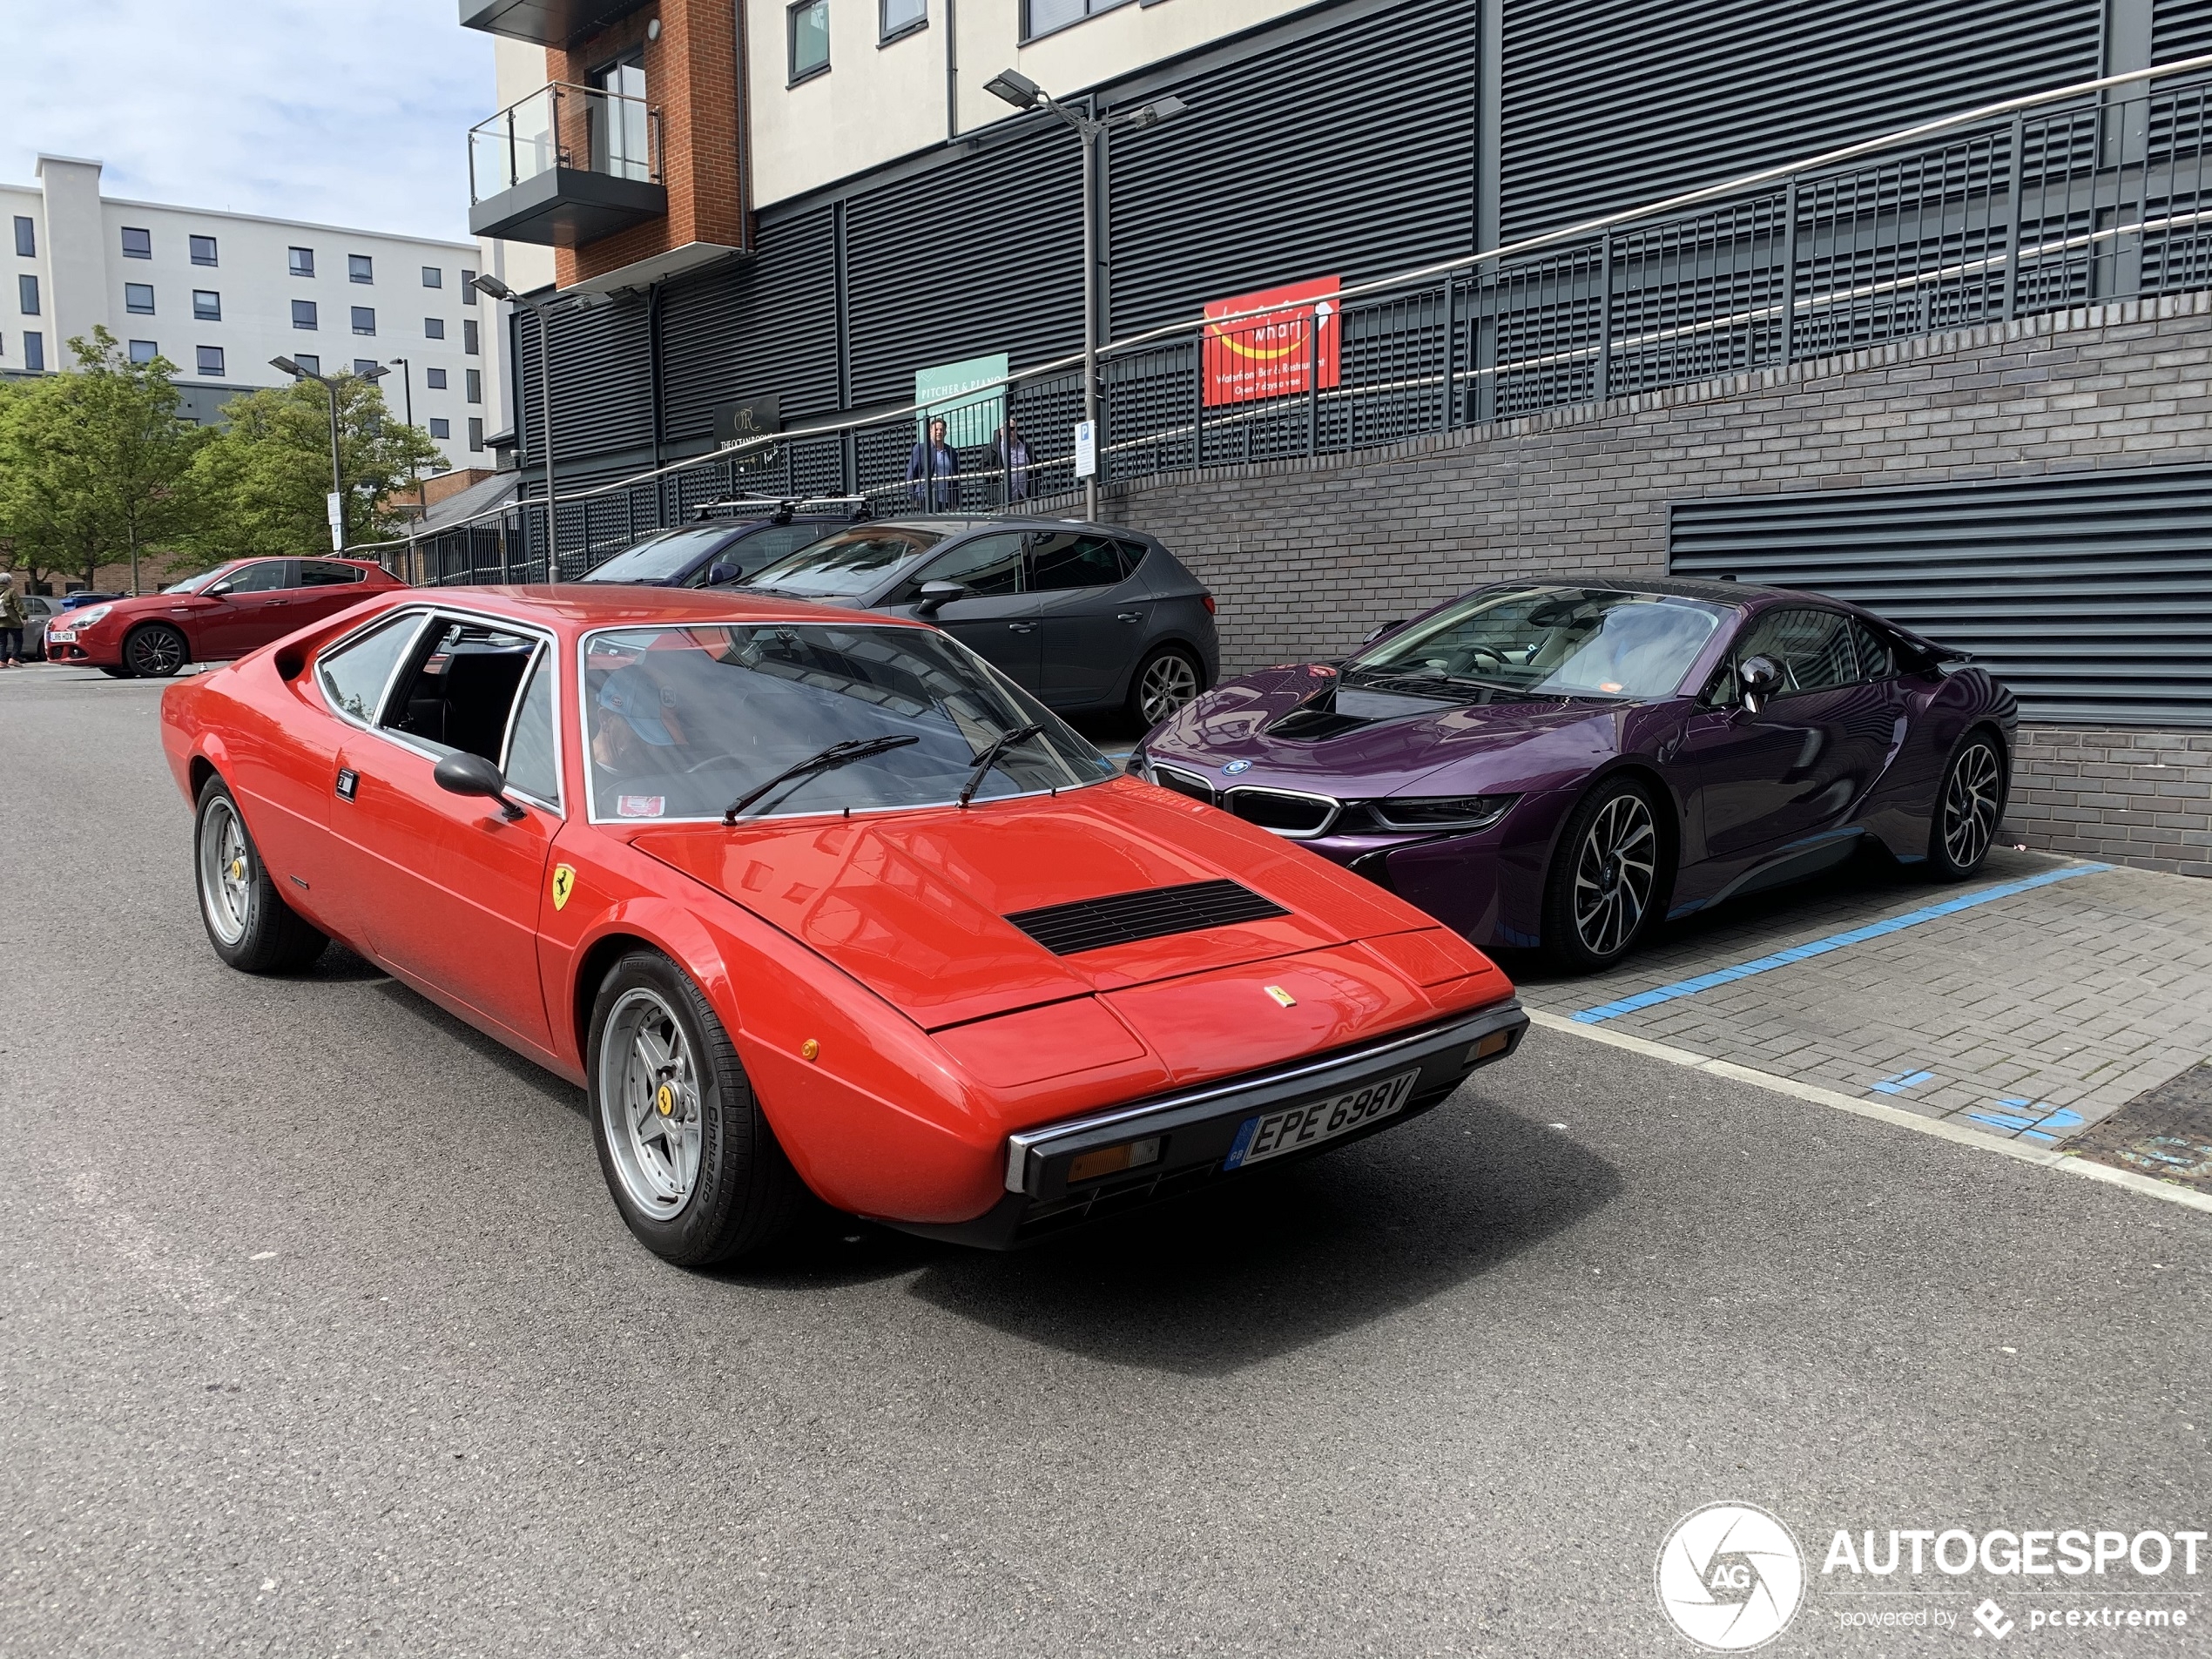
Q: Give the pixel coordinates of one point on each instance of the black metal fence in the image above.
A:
(2095, 199)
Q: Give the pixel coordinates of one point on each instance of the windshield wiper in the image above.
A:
(836, 755)
(990, 758)
(1434, 677)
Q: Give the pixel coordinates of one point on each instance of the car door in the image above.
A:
(324, 587)
(1091, 616)
(997, 619)
(444, 888)
(244, 611)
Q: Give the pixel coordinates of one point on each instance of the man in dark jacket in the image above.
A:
(932, 472)
(1012, 449)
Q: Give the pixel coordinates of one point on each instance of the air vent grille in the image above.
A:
(1093, 924)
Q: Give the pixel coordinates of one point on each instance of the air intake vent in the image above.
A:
(1093, 924)
(1286, 813)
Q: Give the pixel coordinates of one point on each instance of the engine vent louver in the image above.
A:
(1093, 924)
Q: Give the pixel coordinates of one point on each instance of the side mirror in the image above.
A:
(220, 590)
(1387, 629)
(720, 575)
(467, 774)
(1758, 679)
(935, 596)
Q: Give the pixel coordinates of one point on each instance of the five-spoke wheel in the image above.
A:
(648, 1092)
(248, 921)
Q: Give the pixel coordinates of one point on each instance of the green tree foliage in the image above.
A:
(266, 475)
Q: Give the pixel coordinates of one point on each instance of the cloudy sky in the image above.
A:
(353, 114)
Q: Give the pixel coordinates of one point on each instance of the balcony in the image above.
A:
(546, 22)
(565, 167)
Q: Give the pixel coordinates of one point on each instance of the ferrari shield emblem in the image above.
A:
(1282, 996)
(563, 885)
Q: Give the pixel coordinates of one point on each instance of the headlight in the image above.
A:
(1441, 811)
(83, 619)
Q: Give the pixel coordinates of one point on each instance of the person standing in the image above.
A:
(933, 471)
(11, 622)
(1012, 451)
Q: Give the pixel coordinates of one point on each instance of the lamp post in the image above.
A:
(1023, 93)
(493, 288)
(421, 501)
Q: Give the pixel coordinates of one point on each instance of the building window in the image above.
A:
(309, 363)
(468, 287)
(1043, 17)
(468, 335)
(473, 380)
(303, 314)
(137, 245)
(364, 366)
(203, 249)
(433, 328)
(144, 351)
(898, 17)
(364, 319)
(809, 38)
(303, 261)
(439, 427)
(27, 294)
(207, 306)
(137, 298)
(434, 379)
(211, 359)
(34, 352)
(360, 269)
(26, 239)
(476, 436)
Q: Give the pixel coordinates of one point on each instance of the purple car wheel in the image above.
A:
(1967, 811)
(1606, 878)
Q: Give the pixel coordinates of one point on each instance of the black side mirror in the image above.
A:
(1387, 629)
(935, 596)
(1758, 679)
(720, 575)
(467, 774)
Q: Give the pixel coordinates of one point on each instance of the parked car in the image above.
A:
(1561, 763)
(728, 541)
(809, 901)
(82, 598)
(1087, 617)
(37, 611)
(221, 613)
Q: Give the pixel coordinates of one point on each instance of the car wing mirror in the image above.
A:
(220, 590)
(467, 774)
(720, 574)
(1758, 679)
(935, 596)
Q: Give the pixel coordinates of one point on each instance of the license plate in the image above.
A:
(1295, 1127)
(62, 635)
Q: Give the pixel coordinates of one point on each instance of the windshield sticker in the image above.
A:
(641, 806)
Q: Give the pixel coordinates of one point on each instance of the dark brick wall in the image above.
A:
(2140, 798)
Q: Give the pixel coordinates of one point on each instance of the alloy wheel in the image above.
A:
(1971, 799)
(156, 652)
(225, 871)
(1169, 681)
(648, 1099)
(1613, 874)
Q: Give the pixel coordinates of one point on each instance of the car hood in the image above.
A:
(914, 904)
(1297, 728)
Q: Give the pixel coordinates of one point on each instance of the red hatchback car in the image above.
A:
(810, 901)
(217, 615)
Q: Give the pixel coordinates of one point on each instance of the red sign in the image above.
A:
(1274, 354)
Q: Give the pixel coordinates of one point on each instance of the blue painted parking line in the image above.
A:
(1834, 941)
(1901, 1082)
(2030, 1120)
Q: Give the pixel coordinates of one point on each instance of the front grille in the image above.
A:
(1093, 924)
(1281, 811)
(1183, 783)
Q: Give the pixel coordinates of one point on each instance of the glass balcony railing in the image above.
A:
(578, 129)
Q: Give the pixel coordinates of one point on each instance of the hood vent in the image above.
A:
(1093, 924)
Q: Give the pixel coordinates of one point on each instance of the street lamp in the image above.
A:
(492, 287)
(1020, 90)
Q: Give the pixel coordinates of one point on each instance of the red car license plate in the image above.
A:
(1296, 1127)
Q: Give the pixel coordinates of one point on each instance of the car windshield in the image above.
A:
(682, 722)
(1545, 641)
(848, 565)
(194, 584)
(658, 558)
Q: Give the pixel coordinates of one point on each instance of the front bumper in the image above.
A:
(1197, 1128)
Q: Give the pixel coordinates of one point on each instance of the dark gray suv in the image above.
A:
(1086, 616)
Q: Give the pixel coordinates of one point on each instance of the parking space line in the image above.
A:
(1795, 953)
(1895, 1116)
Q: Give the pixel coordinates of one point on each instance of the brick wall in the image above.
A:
(1307, 556)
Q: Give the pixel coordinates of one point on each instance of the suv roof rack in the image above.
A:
(783, 511)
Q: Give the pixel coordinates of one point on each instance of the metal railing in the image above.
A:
(585, 129)
(2081, 195)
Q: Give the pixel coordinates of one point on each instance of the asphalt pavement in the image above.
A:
(320, 1335)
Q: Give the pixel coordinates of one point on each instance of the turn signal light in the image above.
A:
(1112, 1160)
(1491, 1047)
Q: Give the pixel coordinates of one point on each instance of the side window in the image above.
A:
(989, 566)
(267, 576)
(1813, 649)
(354, 675)
(1060, 562)
(531, 766)
(1133, 553)
(323, 573)
(460, 687)
(764, 547)
(1876, 661)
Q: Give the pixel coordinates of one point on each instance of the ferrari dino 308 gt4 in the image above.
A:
(809, 899)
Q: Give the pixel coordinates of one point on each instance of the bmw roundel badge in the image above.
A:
(1235, 767)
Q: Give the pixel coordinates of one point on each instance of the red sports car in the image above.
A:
(219, 614)
(810, 901)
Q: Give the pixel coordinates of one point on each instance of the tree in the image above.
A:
(267, 474)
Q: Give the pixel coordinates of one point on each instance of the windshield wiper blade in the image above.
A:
(836, 755)
(1436, 676)
(990, 758)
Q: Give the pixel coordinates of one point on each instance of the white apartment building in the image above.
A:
(219, 294)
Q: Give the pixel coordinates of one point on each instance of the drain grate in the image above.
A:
(2164, 1132)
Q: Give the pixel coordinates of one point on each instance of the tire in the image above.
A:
(117, 673)
(1608, 879)
(155, 652)
(1969, 807)
(1167, 680)
(705, 1181)
(247, 921)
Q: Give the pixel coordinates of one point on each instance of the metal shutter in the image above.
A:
(2179, 29)
(602, 391)
(982, 253)
(1350, 153)
(2090, 596)
(1609, 103)
(765, 324)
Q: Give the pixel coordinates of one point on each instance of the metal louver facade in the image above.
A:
(2179, 29)
(603, 398)
(766, 324)
(2090, 595)
(1605, 103)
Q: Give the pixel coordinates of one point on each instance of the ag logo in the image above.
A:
(563, 885)
(1730, 1577)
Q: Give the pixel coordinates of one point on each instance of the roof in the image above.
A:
(479, 497)
(576, 606)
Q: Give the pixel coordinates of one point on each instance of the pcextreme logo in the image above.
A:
(1729, 1577)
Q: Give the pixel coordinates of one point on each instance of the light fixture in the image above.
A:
(652, 29)
(375, 372)
(487, 284)
(286, 366)
(1015, 88)
(1159, 109)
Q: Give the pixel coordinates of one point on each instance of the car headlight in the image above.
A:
(83, 619)
(1441, 811)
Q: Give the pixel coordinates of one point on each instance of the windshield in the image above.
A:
(1539, 641)
(848, 565)
(658, 558)
(194, 584)
(682, 722)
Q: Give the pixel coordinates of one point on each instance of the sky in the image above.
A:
(355, 115)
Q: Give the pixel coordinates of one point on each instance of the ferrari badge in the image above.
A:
(1282, 996)
(665, 1100)
(563, 885)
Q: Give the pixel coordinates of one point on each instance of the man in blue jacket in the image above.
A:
(932, 472)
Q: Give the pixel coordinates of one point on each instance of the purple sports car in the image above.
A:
(1558, 764)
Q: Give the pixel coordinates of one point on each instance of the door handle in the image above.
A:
(1021, 627)
(1129, 616)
